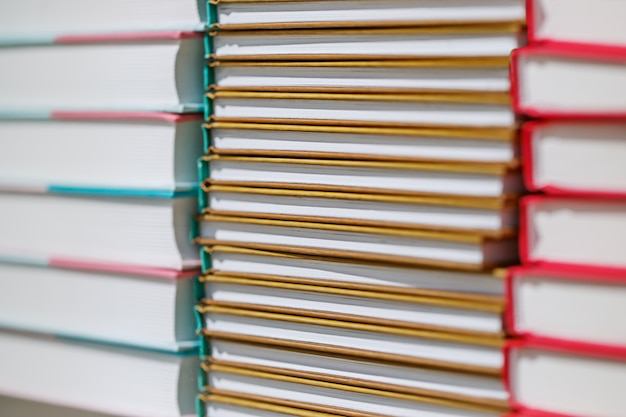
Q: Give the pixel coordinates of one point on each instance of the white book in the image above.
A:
(579, 21)
(148, 156)
(445, 350)
(36, 20)
(559, 149)
(444, 315)
(367, 143)
(349, 43)
(380, 77)
(16, 407)
(305, 391)
(367, 12)
(154, 312)
(146, 232)
(376, 110)
(380, 244)
(581, 382)
(402, 378)
(225, 407)
(94, 377)
(362, 209)
(576, 231)
(364, 176)
(232, 261)
(135, 75)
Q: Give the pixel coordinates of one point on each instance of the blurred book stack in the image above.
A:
(567, 300)
(360, 185)
(100, 123)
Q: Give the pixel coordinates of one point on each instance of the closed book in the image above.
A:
(464, 110)
(558, 378)
(100, 153)
(366, 177)
(227, 405)
(136, 72)
(456, 40)
(317, 395)
(574, 304)
(97, 377)
(353, 13)
(576, 21)
(121, 230)
(384, 277)
(413, 247)
(489, 217)
(144, 307)
(573, 231)
(357, 371)
(399, 144)
(444, 314)
(451, 351)
(382, 76)
(569, 81)
(31, 21)
(554, 151)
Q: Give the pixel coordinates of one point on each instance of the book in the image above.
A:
(368, 13)
(573, 21)
(554, 151)
(364, 143)
(139, 72)
(478, 40)
(30, 21)
(317, 395)
(97, 377)
(564, 379)
(345, 273)
(16, 407)
(431, 313)
(149, 308)
(371, 177)
(413, 247)
(551, 81)
(385, 76)
(449, 351)
(227, 406)
(107, 149)
(483, 216)
(357, 371)
(463, 110)
(573, 304)
(574, 231)
(133, 231)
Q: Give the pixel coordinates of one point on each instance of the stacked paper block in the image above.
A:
(359, 197)
(100, 127)
(567, 300)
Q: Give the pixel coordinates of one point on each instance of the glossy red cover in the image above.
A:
(558, 346)
(526, 143)
(526, 205)
(565, 272)
(564, 50)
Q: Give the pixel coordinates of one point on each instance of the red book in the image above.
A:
(574, 304)
(561, 379)
(569, 81)
(597, 22)
(577, 232)
(575, 158)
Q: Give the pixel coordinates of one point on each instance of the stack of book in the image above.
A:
(99, 132)
(359, 194)
(567, 301)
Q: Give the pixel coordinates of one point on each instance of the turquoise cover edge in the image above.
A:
(120, 192)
